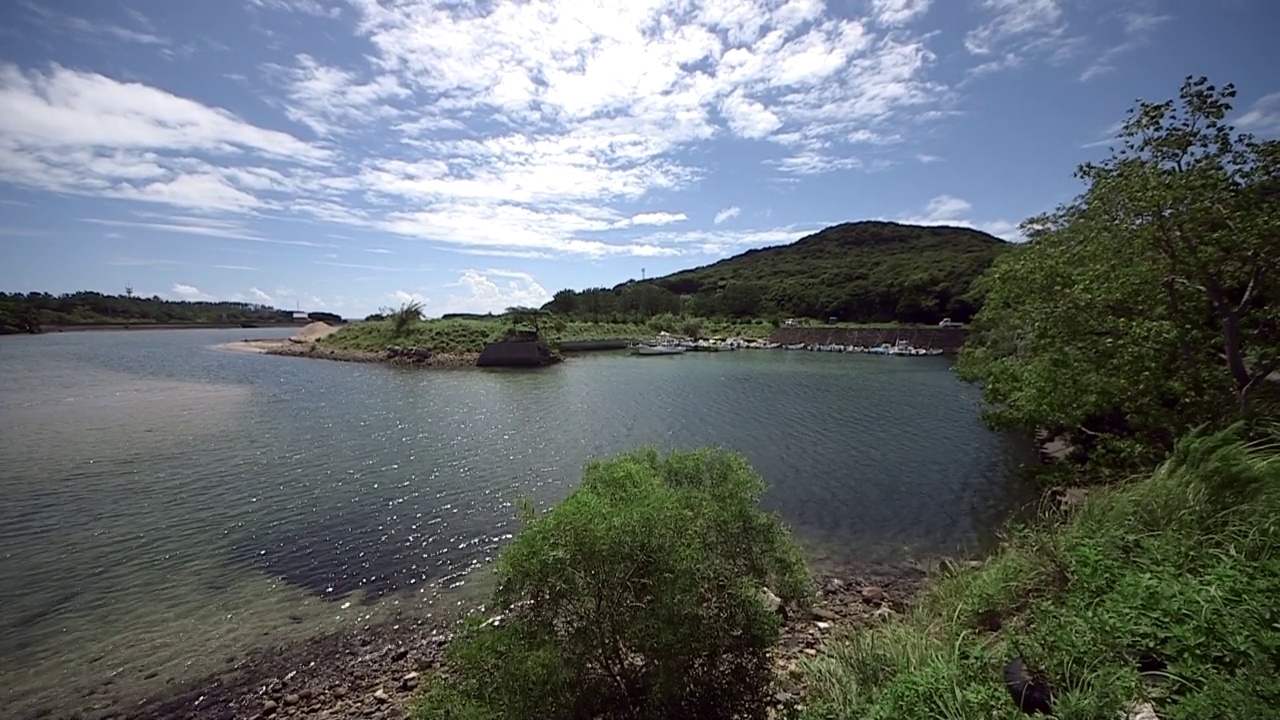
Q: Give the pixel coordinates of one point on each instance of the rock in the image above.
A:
(381, 695)
(400, 654)
(340, 692)
(1143, 711)
(824, 614)
(884, 612)
(872, 594)
(306, 693)
(291, 699)
(810, 651)
(269, 706)
(1030, 694)
(773, 602)
(409, 681)
(823, 625)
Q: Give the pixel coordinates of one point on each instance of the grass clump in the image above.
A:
(638, 597)
(1177, 574)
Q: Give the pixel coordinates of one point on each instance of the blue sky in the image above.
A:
(351, 154)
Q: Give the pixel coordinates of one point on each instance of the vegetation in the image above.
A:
(640, 597)
(29, 312)
(1150, 304)
(864, 272)
(1176, 575)
(469, 335)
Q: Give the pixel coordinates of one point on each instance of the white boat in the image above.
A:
(658, 350)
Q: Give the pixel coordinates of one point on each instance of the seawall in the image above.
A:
(949, 339)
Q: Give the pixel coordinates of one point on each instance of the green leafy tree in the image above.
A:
(1149, 304)
(640, 596)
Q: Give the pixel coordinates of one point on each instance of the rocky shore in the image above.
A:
(372, 672)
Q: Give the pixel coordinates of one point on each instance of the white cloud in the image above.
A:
(405, 297)
(98, 28)
(1025, 22)
(656, 218)
(188, 292)
(330, 100)
(1139, 28)
(481, 294)
(83, 133)
(748, 118)
(518, 129)
(240, 268)
(953, 211)
(1263, 117)
(378, 251)
(898, 12)
(307, 7)
(261, 297)
(727, 214)
(928, 159)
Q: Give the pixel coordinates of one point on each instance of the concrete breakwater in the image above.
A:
(948, 339)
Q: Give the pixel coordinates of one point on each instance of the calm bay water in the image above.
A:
(166, 506)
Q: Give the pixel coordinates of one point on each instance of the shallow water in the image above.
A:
(166, 506)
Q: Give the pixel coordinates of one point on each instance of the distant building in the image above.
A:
(300, 316)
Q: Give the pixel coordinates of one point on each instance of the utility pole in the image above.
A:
(642, 274)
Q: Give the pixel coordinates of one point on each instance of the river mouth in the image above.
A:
(171, 508)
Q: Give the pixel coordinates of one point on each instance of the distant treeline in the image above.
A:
(870, 272)
(30, 312)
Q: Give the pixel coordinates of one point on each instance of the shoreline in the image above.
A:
(373, 671)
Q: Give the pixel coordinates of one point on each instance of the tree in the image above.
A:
(1150, 303)
(640, 596)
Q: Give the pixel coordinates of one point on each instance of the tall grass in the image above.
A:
(1178, 573)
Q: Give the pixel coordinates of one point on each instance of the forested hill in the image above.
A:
(856, 272)
(29, 312)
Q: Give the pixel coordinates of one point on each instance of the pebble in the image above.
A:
(810, 651)
(381, 695)
(269, 706)
(823, 625)
(291, 699)
(872, 594)
(340, 692)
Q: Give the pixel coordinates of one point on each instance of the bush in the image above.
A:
(638, 597)
(1176, 573)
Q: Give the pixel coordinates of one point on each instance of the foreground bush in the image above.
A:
(1177, 575)
(638, 597)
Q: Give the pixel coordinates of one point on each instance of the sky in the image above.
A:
(349, 155)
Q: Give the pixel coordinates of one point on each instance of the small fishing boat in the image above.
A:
(658, 350)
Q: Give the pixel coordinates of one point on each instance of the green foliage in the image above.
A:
(866, 272)
(403, 318)
(458, 335)
(1179, 570)
(1149, 305)
(638, 597)
(21, 312)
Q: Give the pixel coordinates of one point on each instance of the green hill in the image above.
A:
(869, 272)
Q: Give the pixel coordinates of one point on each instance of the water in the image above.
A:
(166, 506)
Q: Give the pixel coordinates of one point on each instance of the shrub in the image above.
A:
(638, 597)
(1176, 574)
